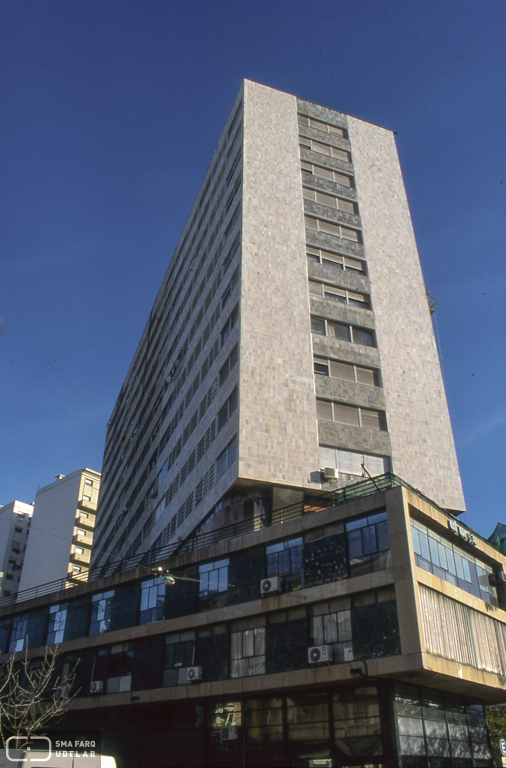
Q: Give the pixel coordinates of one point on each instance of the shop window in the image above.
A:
(247, 647)
(307, 716)
(440, 726)
(331, 625)
(357, 725)
(264, 720)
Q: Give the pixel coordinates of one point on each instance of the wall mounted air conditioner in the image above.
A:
(329, 473)
(194, 673)
(97, 686)
(319, 654)
(270, 585)
(230, 733)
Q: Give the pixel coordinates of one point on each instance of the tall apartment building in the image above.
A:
(291, 335)
(15, 521)
(63, 525)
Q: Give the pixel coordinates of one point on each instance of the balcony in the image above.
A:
(86, 540)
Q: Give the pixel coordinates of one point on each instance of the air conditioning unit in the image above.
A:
(270, 585)
(497, 578)
(319, 654)
(194, 673)
(329, 473)
(97, 686)
(229, 734)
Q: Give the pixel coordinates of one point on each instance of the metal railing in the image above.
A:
(196, 540)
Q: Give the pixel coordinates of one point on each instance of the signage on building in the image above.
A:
(463, 533)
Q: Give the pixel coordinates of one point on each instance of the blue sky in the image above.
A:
(111, 112)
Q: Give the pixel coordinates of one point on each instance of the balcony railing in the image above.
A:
(196, 540)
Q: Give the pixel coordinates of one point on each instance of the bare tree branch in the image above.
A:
(33, 694)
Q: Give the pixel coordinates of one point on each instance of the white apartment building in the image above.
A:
(15, 521)
(61, 535)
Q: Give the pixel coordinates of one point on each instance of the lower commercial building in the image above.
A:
(364, 628)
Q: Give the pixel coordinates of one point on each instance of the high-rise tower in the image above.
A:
(291, 334)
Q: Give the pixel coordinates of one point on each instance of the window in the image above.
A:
(341, 331)
(225, 332)
(350, 462)
(339, 295)
(334, 260)
(152, 600)
(119, 673)
(247, 647)
(311, 122)
(327, 173)
(440, 724)
(213, 577)
(228, 456)
(331, 228)
(285, 559)
(264, 720)
(18, 633)
(307, 716)
(9, 577)
(436, 554)
(179, 653)
(323, 198)
(101, 612)
(227, 410)
(357, 724)
(229, 364)
(350, 414)
(18, 530)
(339, 370)
(331, 625)
(324, 149)
(56, 626)
(367, 537)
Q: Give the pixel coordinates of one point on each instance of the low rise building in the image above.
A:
(362, 628)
